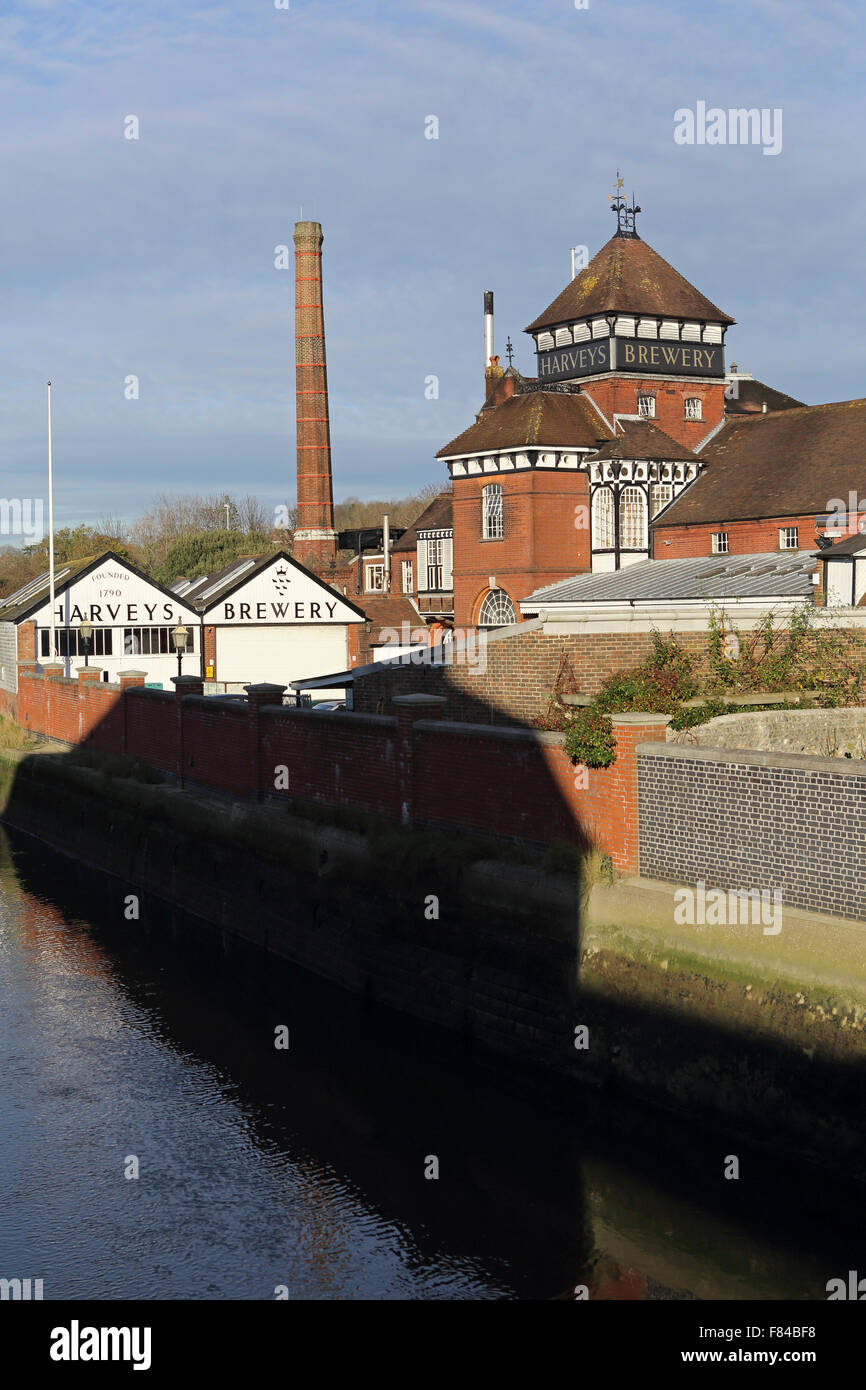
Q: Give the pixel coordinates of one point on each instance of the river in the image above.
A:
(303, 1172)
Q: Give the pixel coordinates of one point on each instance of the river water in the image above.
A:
(302, 1170)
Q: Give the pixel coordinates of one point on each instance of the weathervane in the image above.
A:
(509, 349)
(625, 215)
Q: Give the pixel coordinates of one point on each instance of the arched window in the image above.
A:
(497, 610)
(602, 519)
(492, 527)
(632, 519)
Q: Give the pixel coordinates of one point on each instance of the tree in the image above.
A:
(205, 552)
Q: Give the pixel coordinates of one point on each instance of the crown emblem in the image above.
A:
(281, 579)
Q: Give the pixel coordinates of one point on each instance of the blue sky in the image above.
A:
(155, 257)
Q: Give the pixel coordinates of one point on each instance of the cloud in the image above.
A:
(155, 256)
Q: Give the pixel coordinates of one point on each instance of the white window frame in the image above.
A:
(603, 519)
(694, 408)
(497, 610)
(646, 405)
(407, 576)
(657, 506)
(632, 519)
(789, 537)
(720, 543)
(492, 512)
(371, 571)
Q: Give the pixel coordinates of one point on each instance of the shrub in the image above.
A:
(589, 738)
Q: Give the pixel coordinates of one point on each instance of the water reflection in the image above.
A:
(305, 1168)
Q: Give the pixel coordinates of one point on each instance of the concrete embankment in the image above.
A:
(763, 1035)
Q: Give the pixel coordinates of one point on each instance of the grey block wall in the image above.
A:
(741, 819)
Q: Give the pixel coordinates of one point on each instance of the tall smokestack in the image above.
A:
(315, 539)
(488, 329)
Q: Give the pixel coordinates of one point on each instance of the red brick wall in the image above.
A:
(744, 537)
(151, 728)
(504, 783)
(541, 543)
(208, 726)
(520, 674)
(618, 395)
(330, 758)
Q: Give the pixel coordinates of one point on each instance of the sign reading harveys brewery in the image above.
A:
(632, 355)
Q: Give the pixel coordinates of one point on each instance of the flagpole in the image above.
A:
(53, 647)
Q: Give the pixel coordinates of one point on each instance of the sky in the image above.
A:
(155, 257)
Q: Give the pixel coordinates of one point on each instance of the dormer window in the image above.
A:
(646, 405)
(375, 583)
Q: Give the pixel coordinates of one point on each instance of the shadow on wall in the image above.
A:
(369, 1089)
(435, 869)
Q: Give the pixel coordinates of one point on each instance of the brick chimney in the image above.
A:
(315, 542)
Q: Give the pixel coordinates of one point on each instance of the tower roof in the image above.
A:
(628, 277)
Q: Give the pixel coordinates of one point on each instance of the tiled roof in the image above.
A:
(438, 516)
(789, 463)
(640, 439)
(752, 395)
(776, 574)
(388, 611)
(627, 276)
(532, 418)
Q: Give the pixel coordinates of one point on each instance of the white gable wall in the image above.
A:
(282, 625)
(119, 602)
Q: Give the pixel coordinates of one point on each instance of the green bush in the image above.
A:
(589, 738)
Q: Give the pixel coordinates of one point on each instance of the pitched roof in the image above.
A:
(640, 439)
(32, 595)
(776, 574)
(205, 593)
(629, 277)
(532, 418)
(751, 396)
(388, 611)
(787, 463)
(852, 545)
(208, 588)
(437, 516)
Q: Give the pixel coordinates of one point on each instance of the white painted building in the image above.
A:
(845, 572)
(267, 618)
(131, 616)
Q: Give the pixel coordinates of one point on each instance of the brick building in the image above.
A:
(773, 480)
(562, 473)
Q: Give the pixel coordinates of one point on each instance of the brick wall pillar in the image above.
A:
(622, 811)
(127, 680)
(54, 671)
(410, 709)
(183, 685)
(257, 697)
(87, 675)
(27, 641)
